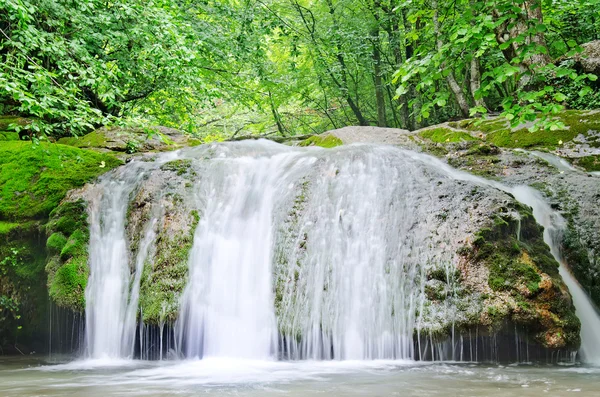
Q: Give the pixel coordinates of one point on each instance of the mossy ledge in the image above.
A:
(35, 178)
(522, 284)
(325, 141)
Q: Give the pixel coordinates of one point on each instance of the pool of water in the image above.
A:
(225, 377)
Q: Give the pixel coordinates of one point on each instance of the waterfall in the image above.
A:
(340, 236)
(554, 224)
(227, 306)
(299, 253)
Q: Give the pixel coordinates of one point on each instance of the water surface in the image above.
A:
(21, 377)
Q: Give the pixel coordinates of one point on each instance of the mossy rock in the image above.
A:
(446, 135)
(499, 132)
(55, 243)
(9, 136)
(525, 287)
(7, 121)
(7, 227)
(165, 275)
(325, 141)
(131, 140)
(180, 167)
(588, 163)
(35, 178)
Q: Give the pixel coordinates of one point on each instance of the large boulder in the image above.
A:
(563, 165)
(132, 140)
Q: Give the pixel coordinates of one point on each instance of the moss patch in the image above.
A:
(588, 163)
(165, 275)
(499, 132)
(67, 267)
(9, 136)
(328, 141)
(35, 178)
(7, 121)
(94, 139)
(56, 243)
(180, 167)
(7, 227)
(443, 135)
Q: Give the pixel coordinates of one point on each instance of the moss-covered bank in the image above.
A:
(35, 178)
(577, 125)
(37, 234)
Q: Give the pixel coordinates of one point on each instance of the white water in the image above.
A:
(342, 234)
(227, 306)
(351, 242)
(553, 225)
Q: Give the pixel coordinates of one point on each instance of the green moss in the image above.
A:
(524, 276)
(35, 178)
(444, 135)
(328, 141)
(588, 163)
(7, 121)
(94, 139)
(7, 227)
(67, 268)
(9, 136)
(499, 132)
(180, 167)
(56, 242)
(76, 245)
(69, 282)
(580, 263)
(165, 276)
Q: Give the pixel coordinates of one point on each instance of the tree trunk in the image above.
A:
(460, 96)
(404, 101)
(343, 71)
(513, 28)
(475, 82)
(379, 94)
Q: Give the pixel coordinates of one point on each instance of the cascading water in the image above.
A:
(346, 232)
(111, 297)
(305, 253)
(228, 302)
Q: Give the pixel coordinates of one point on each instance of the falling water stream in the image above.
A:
(299, 254)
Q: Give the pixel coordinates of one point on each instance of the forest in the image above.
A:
(218, 69)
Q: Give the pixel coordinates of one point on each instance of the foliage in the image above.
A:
(73, 65)
(223, 68)
(504, 52)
